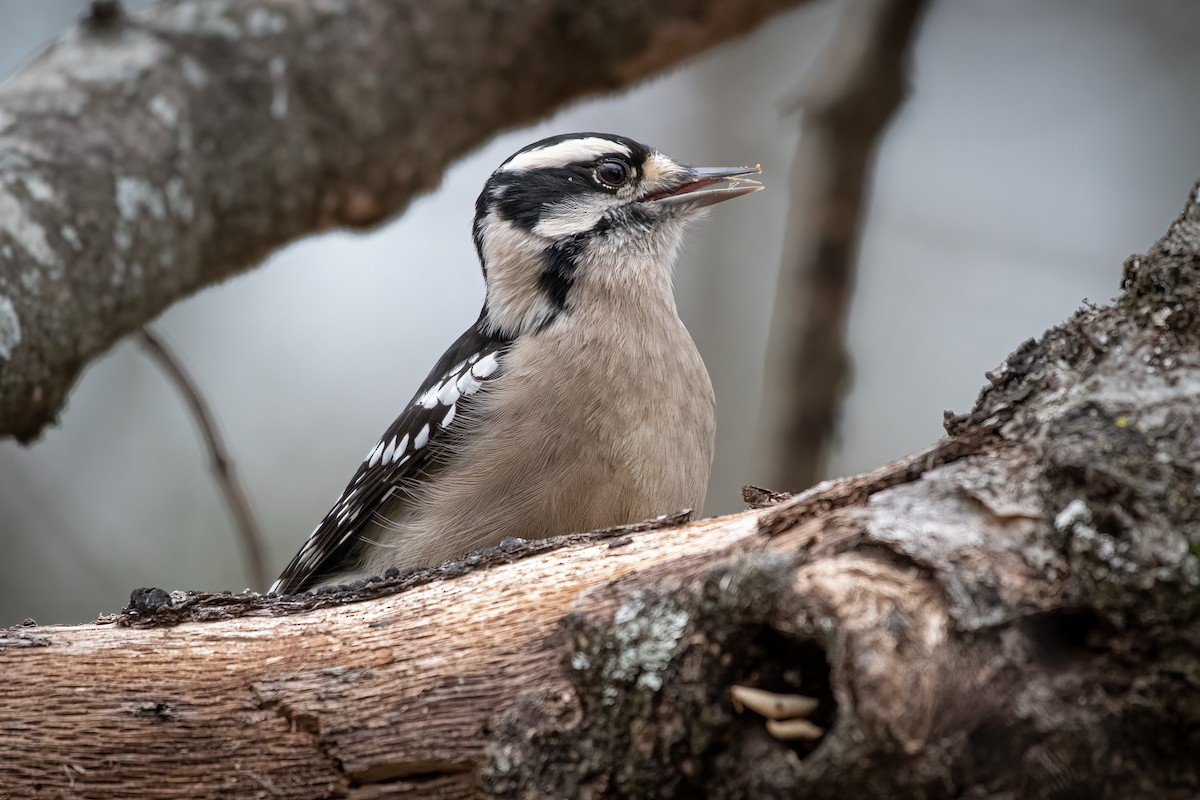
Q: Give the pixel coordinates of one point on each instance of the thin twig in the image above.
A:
(222, 465)
(847, 101)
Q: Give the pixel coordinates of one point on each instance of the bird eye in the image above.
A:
(612, 173)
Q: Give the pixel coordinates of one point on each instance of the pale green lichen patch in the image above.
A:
(71, 237)
(279, 89)
(39, 189)
(10, 328)
(194, 74)
(646, 636)
(31, 281)
(179, 201)
(209, 18)
(24, 230)
(135, 195)
(1109, 556)
(263, 22)
(85, 58)
(166, 111)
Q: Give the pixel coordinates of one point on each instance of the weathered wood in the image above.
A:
(398, 689)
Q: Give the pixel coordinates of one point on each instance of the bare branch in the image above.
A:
(218, 456)
(157, 153)
(847, 102)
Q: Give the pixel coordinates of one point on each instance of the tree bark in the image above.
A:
(1013, 613)
(146, 157)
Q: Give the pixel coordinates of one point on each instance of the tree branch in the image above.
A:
(1013, 613)
(155, 154)
(218, 457)
(847, 101)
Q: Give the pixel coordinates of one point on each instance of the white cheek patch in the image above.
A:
(569, 218)
(514, 261)
(564, 154)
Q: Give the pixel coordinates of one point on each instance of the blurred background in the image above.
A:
(1043, 142)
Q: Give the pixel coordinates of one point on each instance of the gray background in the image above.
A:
(1044, 142)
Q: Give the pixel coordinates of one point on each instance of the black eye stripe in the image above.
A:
(522, 197)
(527, 194)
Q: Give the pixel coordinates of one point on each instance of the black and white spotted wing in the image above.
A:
(400, 454)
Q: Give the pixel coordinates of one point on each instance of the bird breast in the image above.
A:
(600, 423)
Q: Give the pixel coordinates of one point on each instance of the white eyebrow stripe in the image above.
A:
(564, 153)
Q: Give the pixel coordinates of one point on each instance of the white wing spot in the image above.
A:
(467, 384)
(473, 358)
(422, 437)
(448, 395)
(449, 416)
(375, 454)
(429, 399)
(400, 448)
(388, 451)
(486, 366)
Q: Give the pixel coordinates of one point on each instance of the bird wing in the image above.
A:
(398, 456)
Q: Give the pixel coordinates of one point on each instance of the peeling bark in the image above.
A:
(145, 157)
(1012, 613)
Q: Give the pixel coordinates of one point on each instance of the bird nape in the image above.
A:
(576, 401)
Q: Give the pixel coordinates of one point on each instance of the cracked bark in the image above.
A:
(1012, 613)
(148, 156)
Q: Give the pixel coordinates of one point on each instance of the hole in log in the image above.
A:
(784, 665)
(1061, 636)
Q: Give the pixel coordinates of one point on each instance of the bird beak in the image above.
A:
(704, 186)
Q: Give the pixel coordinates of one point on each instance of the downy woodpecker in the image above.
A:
(576, 401)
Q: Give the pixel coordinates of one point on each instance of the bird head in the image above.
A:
(587, 210)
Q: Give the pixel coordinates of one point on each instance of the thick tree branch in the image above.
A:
(1013, 613)
(847, 102)
(147, 156)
